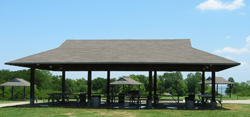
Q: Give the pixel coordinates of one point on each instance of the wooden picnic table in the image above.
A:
(205, 96)
(64, 97)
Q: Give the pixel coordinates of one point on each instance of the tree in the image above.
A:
(99, 85)
(231, 79)
(192, 81)
(81, 85)
(173, 83)
(142, 79)
(242, 88)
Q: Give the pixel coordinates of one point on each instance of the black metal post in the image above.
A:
(12, 93)
(3, 92)
(203, 85)
(230, 90)
(32, 86)
(24, 93)
(63, 85)
(150, 90)
(213, 90)
(89, 88)
(108, 83)
(155, 87)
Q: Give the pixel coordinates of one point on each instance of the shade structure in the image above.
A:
(126, 81)
(16, 82)
(218, 80)
(126, 55)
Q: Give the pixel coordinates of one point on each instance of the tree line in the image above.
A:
(170, 82)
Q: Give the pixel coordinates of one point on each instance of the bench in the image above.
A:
(218, 101)
(197, 100)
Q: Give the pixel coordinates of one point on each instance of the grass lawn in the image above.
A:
(233, 110)
(234, 97)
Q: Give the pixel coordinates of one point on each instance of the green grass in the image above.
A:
(232, 111)
(234, 97)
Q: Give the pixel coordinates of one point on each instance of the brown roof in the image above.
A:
(16, 82)
(218, 80)
(177, 54)
(126, 81)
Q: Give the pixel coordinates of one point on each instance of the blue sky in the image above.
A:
(220, 27)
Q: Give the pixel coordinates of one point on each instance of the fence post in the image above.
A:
(237, 97)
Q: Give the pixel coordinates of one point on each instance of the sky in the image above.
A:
(220, 27)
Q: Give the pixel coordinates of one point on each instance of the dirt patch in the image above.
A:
(69, 114)
(233, 106)
(103, 113)
(119, 113)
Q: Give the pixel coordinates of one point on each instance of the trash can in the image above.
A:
(189, 102)
(121, 98)
(96, 101)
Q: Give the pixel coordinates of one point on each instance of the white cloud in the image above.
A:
(248, 41)
(217, 5)
(234, 50)
(231, 50)
(228, 37)
(229, 57)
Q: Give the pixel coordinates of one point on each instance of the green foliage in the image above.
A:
(172, 83)
(231, 79)
(192, 81)
(242, 89)
(167, 83)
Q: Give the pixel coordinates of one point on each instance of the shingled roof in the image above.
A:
(16, 82)
(126, 81)
(218, 80)
(126, 55)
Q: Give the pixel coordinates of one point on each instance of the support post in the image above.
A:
(213, 103)
(32, 85)
(217, 90)
(203, 85)
(24, 93)
(12, 93)
(3, 92)
(150, 91)
(63, 85)
(230, 90)
(155, 87)
(108, 84)
(89, 88)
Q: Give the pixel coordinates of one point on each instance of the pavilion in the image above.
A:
(219, 80)
(16, 82)
(126, 81)
(125, 55)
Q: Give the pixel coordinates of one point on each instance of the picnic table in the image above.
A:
(64, 97)
(208, 97)
(205, 98)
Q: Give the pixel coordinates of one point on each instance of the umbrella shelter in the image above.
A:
(16, 82)
(126, 81)
(218, 80)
